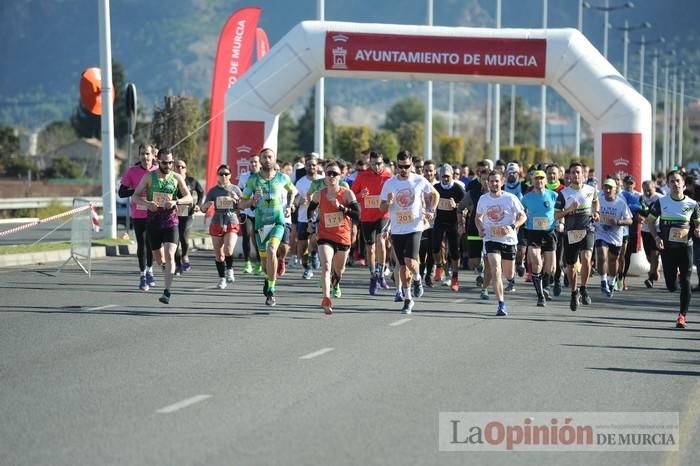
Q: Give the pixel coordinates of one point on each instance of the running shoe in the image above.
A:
(150, 279)
(247, 267)
(335, 291)
(178, 270)
(315, 261)
(573, 305)
(649, 284)
(143, 284)
(484, 294)
(520, 269)
(428, 280)
(510, 287)
(619, 285)
(383, 284)
(398, 296)
(258, 269)
(281, 268)
(270, 300)
(680, 322)
(326, 305)
(547, 294)
(165, 297)
(185, 267)
(373, 285)
(557, 288)
(308, 273)
(541, 302)
(407, 306)
(604, 289)
(501, 311)
(624, 285)
(585, 298)
(454, 285)
(438, 274)
(479, 280)
(222, 283)
(229, 276)
(417, 288)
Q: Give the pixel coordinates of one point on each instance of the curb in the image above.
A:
(96, 252)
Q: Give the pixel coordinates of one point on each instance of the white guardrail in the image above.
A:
(12, 203)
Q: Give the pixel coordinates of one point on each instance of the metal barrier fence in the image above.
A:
(81, 235)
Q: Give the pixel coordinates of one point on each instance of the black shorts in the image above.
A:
(406, 246)
(475, 248)
(648, 243)
(287, 233)
(336, 246)
(522, 238)
(571, 251)
(370, 230)
(303, 231)
(546, 240)
(158, 235)
(507, 251)
(612, 249)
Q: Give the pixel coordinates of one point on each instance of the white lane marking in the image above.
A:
(460, 300)
(101, 308)
(205, 288)
(182, 404)
(399, 322)
(317, 353)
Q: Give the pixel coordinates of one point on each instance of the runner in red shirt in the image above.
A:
(373, 222)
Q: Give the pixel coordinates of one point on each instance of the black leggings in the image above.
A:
(184, 228)
(425, 254)
(559, 257)
(678, 264)
(248, 238)
(143, 245)
(440, 230)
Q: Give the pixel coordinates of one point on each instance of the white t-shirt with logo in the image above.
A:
(498, 214)
(407, 209)
(606, 228)
(303, 186)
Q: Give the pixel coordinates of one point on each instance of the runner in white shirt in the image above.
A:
(498, 216)
(648, 198)
(403, 196)
(609, 231)
(302, 203)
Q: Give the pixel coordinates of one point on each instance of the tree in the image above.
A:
(9, 145)
(350, 141)
(62, 167)
(307, 127)
(410, 110)
(526, 128)
(55, 135)
(287, 138)
(174, 126)
(385, 142)
(452, 149)
(410, 136)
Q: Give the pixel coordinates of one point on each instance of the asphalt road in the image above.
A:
(93, 371)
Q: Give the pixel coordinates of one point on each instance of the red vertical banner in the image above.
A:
(622, 152)
(262, 45)
(234, 55)
(242, 139)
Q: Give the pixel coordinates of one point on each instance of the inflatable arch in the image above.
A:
(560, 58)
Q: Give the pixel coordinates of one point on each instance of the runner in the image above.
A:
(631, 235)
(247, 219)
(184, 213)
(402, 197)
(539, 233)
(609, 231)
(302, 201)
(554, 183)
(426, 258)
(446, 221)
(514, 186)
(373, 222)
(577, 204)
(224, 226)
(649, 197)
(337, 206)
(498, 216)
(129, 181)
(677, 214)
(165, 190)
(263, 190)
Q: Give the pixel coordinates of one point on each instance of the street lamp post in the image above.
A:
(606, 9)
(642, 54)
(680, 120)
(626, 29)
(543, 91)
(655, 75)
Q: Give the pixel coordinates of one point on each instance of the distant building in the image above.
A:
(87, 153)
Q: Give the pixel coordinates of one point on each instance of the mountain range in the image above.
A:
(168, 47)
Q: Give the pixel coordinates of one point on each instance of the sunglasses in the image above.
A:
(332, 174)
(224, 174)
(165, 162)
(404, 167)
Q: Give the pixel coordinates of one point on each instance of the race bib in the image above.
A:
(183, 210)
(541, 223)
(404, 217)
(446, 204)
(499, 232)
(333, 219)
(161, 199)
(372, 202)
(224, 202)
(574, 236)
(678, 235)
(607, 220)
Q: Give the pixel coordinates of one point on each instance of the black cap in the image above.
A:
(628, 179)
